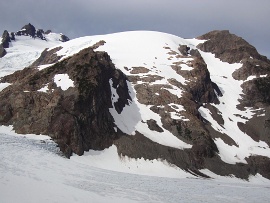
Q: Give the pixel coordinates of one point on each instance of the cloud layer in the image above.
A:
(246, 18)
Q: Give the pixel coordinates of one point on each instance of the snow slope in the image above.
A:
(31, 171)
(221, 74)
(24, 51)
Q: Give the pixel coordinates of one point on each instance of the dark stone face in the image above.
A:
(184, 49)
(228, 47)
(5, 39)
(78, 119)
(28, 30)
(40, 33)
(2, 51)
(64, 38)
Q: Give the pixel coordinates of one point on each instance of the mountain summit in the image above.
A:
(30, 31)
(195, 103)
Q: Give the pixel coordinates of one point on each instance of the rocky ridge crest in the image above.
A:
(27, 30)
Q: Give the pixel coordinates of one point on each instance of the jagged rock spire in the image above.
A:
(6, 39)
(28, 29)
(4, 43)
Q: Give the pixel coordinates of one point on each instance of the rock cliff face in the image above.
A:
(78, 118)
(191, 105)
(4, 43)
(228, 47)
(255, 72)
(2, 51)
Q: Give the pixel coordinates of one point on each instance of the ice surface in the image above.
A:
(31, 171)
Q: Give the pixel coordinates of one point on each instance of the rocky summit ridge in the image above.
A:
(26, 30)
(196, 103)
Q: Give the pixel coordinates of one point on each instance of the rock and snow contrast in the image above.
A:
(137, 102)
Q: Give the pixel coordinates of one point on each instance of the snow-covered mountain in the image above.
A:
(23, 47)
(198, 107)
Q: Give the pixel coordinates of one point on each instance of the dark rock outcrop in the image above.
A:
(4, 43)
(40, 34)
(228, 47)
(2, 51)
(202, 155)
(202, 89)
(233, 49)
(195, 53)
(12, 37)
(28, 30)
(184, 49)
(78, 119)
(48, 57)
(6, 39)
(48, 32)
(152, 125)
(64, 38)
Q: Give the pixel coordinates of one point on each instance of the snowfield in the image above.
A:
(24, 51)
(31, 170)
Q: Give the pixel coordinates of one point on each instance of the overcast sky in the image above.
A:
(249, 19)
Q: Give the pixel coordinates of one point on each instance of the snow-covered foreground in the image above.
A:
(32, 171)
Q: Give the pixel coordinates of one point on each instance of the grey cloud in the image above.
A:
(246, 18)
